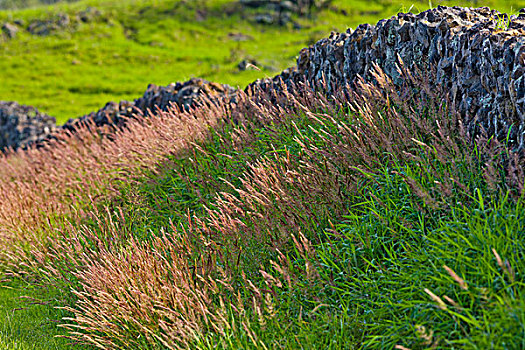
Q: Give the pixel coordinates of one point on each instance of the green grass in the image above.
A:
(27, 320)
(374, 262)
(135, 43)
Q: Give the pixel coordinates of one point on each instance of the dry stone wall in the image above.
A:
(182, 95)
(478, 55)
(21, 126)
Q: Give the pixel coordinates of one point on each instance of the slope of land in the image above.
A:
(287, 220)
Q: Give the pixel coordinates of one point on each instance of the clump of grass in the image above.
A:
(41, 186)
(368, 219)
(372, 219)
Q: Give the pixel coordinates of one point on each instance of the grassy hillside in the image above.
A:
(128, 44)
(291, 225)
(285, 222)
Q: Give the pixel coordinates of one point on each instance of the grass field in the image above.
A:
(279, 230)
(309, 226)
(132, 43)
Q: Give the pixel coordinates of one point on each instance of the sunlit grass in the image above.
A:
(27, 321)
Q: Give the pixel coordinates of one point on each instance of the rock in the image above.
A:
(21, 126)
(10, 30)
(264, 18)
(239, 37)
(255, 3)
(479, 61)
(41, 28)
(297, 26)
(284, 18)
(46, 27)
(246, 64)
(89, 14)
(63, 20)
(288, 6)
(300, 7)
(201, 15)
(182, 95)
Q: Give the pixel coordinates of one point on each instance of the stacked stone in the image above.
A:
(182, 95)
(185, 95)
(21, 125)
(478, 55)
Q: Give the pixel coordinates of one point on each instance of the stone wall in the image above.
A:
(478, 55)
(21, 126)
(183, 95)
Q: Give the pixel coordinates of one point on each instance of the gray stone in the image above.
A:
(177, 95)
(10, 30)
(239, 37)
(264, 18)
(48, 26)
(88, 15)
(21, 126)
(478, 60)
(247, 63)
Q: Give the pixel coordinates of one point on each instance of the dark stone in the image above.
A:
(48, 26)
(479, 61)
(89, 14)
(480, 64)
(21, 126)
(10, 30)
(239, 37)
(247, 63)
(264, 18)
(177, 95)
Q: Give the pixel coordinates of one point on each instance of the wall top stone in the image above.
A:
(477, 55)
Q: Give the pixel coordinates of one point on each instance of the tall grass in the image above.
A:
(41, 186)
(369, 219)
